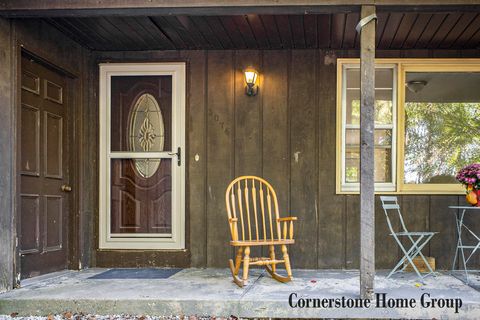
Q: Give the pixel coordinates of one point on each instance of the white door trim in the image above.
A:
(175, 240)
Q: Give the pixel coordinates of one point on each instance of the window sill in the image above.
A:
(419, 189)
(407, 192)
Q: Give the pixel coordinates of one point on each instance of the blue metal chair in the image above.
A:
(418, 240)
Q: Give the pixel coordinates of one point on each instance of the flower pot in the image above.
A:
(473, 198)
(420, 264)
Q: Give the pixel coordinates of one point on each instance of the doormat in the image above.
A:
(131, 273)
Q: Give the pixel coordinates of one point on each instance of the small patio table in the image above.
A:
(460, 215)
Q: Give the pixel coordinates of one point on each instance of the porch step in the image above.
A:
(211, 292)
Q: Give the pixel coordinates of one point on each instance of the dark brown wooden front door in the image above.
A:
(44, 170)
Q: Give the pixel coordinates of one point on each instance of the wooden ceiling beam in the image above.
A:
(92, 8)
(84, 8)
(122, 4)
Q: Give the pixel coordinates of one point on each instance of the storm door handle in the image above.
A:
(178, 154)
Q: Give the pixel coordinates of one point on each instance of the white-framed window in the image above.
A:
(385, 128)
(426, 124)
(142, 162)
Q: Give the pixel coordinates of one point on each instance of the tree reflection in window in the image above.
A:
(384, 108)
(440, 138)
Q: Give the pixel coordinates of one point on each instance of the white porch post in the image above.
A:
(367, 111)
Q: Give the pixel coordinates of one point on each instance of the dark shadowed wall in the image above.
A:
(46, 44)
(7, 194)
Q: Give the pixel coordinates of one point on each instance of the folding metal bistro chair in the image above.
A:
(417, 240)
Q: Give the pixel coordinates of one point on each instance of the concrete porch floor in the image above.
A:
(212, 292)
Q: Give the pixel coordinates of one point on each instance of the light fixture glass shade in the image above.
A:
(250, 77)
(416, 86)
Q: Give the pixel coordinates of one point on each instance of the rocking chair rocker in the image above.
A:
(249, 202)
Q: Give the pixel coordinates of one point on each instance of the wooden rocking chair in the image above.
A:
(249, 203)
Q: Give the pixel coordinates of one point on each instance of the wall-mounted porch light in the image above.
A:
(251, 77)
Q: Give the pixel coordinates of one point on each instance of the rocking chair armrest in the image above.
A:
(287, 219)
(287, 226)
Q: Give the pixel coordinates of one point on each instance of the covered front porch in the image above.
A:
(210, 292)
(293, 133)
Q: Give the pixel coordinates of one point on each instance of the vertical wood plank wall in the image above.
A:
(286, 134)
(7, 161)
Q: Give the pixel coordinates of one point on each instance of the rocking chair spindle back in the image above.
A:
(254, 220)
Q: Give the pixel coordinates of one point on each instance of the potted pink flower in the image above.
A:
(470, 177)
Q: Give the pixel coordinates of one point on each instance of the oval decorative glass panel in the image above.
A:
(146, 133)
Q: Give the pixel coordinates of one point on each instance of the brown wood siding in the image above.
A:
(331, 217)
(7, 162)
(302, 106)
(293, 114)
(197, 170)
(220, 157)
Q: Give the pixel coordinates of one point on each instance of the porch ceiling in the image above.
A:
(395, 30)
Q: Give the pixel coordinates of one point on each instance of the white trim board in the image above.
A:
(379, 186)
